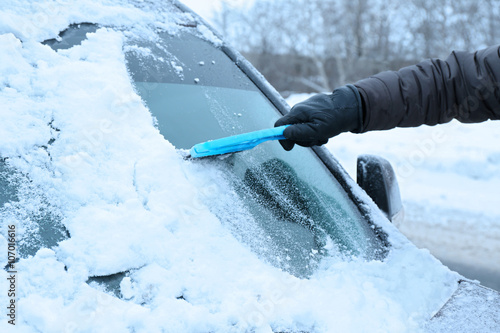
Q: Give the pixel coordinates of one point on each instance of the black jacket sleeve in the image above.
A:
(466, 86)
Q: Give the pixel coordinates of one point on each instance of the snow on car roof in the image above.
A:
(43, 19)
(129, 201)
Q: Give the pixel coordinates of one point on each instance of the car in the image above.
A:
(299, 213)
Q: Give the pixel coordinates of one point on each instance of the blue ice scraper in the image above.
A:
(236, 143)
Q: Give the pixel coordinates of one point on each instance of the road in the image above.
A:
(466, 242)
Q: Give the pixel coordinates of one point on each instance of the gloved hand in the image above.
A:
(321, 117)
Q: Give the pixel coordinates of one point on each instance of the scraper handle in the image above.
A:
(237, 143)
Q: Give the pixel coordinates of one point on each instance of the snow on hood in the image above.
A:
(130, 202)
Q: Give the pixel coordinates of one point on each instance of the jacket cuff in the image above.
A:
(360, 104)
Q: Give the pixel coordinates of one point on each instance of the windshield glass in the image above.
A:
(285, 205)
(25, 206)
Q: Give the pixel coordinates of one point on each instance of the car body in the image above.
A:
(295, 211)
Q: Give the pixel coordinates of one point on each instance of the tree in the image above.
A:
(316, 45)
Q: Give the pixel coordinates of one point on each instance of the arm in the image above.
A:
(466, 86)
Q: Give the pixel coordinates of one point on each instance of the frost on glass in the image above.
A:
(37, 223)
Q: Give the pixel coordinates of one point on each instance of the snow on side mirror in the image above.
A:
(376, 176)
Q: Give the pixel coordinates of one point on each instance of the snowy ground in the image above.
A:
(85, 148)
(449, 178)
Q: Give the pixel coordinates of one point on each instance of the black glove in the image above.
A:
(321, 117)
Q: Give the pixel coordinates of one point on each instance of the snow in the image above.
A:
(470, 303)
(130, 202)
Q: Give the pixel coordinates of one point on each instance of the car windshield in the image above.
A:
(286, 206)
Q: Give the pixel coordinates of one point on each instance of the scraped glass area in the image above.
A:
(285, 205)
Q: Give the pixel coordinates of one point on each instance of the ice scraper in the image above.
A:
(235, 143)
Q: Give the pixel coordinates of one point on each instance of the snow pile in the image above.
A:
(72, 122)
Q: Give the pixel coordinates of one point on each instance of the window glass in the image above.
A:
(285, 205)
(7, 190)
(24, 205)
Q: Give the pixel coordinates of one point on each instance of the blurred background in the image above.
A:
(316, 45)
(449, 175)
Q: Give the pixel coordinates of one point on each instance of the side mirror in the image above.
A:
(376, 176)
